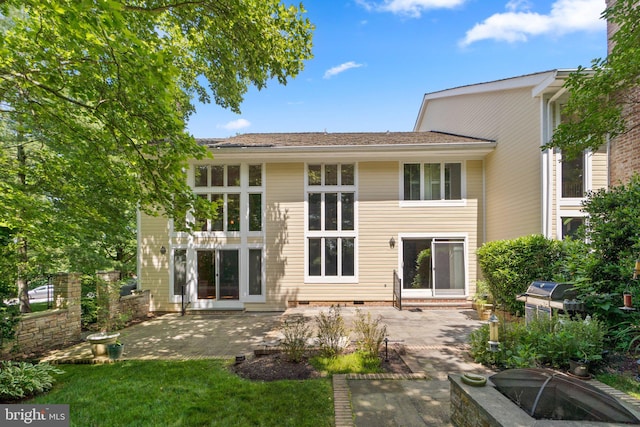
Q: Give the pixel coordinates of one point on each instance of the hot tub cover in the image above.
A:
(546, 394)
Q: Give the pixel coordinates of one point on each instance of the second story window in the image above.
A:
(432, 181)
(237, 190)
(331, 229)
(573, 177)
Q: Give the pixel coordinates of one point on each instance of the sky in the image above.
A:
(374, 60)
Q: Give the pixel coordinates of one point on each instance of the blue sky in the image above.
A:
(375, 59)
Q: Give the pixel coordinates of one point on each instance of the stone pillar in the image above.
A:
(67, 291)
(108, 295)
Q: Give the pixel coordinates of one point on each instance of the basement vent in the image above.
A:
(303, 302)
(358, 303)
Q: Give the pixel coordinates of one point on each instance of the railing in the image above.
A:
(397, 290)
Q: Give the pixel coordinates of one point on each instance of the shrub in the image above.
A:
(296, 334)
(20, 380)
(369, 333)
(332, 334)
(9, 319)
(509, 266)
(543, 341)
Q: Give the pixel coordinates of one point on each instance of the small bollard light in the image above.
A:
(386, 349)
(494, 324)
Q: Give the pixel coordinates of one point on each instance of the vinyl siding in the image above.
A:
(513, 170)
(380, 216)
(153, 267)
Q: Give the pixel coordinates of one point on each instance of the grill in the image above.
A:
(542, 298)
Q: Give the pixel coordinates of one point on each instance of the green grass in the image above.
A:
(39, 306)
(185, 393)
(625, 383)
(351, 363)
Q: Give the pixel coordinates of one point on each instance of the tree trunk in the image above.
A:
(23, 256)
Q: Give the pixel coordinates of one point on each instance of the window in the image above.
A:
(432, 181)
(179, 271)
(331, 230)
(570, 226)
(236, 190)
(573, 177)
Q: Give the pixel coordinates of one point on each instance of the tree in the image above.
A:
(601, 99)
(94, 98)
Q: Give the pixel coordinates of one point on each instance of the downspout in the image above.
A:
(548, 157)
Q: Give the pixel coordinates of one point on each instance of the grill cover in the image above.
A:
(546, 394)
(551, 290)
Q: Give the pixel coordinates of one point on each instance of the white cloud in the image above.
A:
(236, 124)
(340, 69)
(519, 23)
(412, 8)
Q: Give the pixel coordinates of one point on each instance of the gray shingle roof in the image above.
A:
(320, 139)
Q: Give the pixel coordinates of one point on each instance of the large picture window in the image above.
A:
(432, 181)
(237, 192)
(331, 229)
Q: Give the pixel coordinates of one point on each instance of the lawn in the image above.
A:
(185, 393)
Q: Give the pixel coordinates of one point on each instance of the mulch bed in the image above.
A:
(276, 366)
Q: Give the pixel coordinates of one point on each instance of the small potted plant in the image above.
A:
(114, 350)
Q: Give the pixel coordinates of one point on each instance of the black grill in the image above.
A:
(543, 297)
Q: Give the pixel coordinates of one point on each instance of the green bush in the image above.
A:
(296, 334)
(332, 333)
(9, 319)
(543, 341)
(509, 266)
(369, 333)
(21, 380)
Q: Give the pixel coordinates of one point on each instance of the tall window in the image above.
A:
(331, 220)
(432, 181)
(573, 177)
(226, 187)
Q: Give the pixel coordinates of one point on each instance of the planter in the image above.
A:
(115, 350)
(579, 368)
(100, 341)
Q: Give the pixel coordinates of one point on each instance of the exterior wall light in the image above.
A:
(392, 242)
(163, 250)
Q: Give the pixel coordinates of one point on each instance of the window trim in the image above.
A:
(586, 180)
(337, 234)
(440, 202)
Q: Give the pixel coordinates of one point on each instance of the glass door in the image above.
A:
(206, 282)
(229, 274)
(448, 268)
(218, 274)
(416, 261)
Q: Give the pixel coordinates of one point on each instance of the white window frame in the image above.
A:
(441, 202)
(586, 177)
(338, 234)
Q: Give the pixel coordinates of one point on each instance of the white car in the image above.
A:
(41, 294)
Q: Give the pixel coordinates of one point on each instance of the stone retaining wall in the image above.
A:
(46, 330)
(60, 327)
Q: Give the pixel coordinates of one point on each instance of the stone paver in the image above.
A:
(433, 342)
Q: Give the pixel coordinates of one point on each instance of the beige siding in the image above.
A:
(152, 265)
(599, 170)
(513, 170)
(285, 232)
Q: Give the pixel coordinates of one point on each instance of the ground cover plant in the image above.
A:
(543, 342)
(186, 393)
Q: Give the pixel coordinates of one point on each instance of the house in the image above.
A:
(356, 218)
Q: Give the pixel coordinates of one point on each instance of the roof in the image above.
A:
(324, 139)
